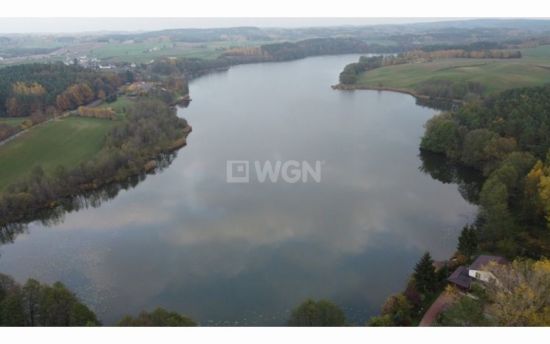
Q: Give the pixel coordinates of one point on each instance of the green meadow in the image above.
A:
(495, 74)
(67, 141)
(13, 121)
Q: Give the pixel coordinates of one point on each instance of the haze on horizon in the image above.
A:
(84, 25)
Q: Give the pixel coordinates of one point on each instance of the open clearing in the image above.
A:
(13, 121)
(66, 142)
(495, 74)
(145, 52)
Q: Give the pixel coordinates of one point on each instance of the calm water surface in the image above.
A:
(245, 254)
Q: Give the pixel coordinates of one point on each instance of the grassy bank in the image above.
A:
(68, 142)
(495, 75)
(13, 121)
(93, 152)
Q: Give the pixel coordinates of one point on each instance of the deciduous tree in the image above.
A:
(320, 313)
(520, 293)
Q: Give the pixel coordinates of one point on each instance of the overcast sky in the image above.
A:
(74, 25)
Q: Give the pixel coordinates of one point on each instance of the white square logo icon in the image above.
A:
(237, 171)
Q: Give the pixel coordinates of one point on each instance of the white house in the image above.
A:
(477, 271)
(464, 276)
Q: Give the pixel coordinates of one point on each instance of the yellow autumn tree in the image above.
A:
(531, 189)
(74, 96)
(544, 193)
(97, 112)
(520, 293)
(26, 98)
(537, 189)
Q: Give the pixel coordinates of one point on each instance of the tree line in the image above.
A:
(52, 88)
(313, 47)
(283, 51)
(503, 138)
(350, 74)
(40, 304)
(474, 46)
(448, 89)
(464, 54)
(97, 112)
(506, 138)
(151, 129)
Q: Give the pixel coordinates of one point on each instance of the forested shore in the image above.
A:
(273, 52)
(151, 128)
(40, 304)
(504, 137)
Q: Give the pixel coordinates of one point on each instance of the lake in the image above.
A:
(247, 253)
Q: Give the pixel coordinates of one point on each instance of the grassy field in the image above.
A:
(136, 52)
(120, 105)
(145, 51)
(13, 121)
(495, 74)
(66, 141)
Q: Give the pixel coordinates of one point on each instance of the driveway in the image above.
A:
(440, 304)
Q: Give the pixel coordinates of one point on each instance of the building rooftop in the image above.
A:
(482, 261)
(460, 277)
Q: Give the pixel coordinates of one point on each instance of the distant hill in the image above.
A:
(198, 35)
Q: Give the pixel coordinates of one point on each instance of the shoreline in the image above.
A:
(452, 259)
(343, 87)
(148, 167)
(419, 96)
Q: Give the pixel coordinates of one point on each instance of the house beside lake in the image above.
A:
(463, 276)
